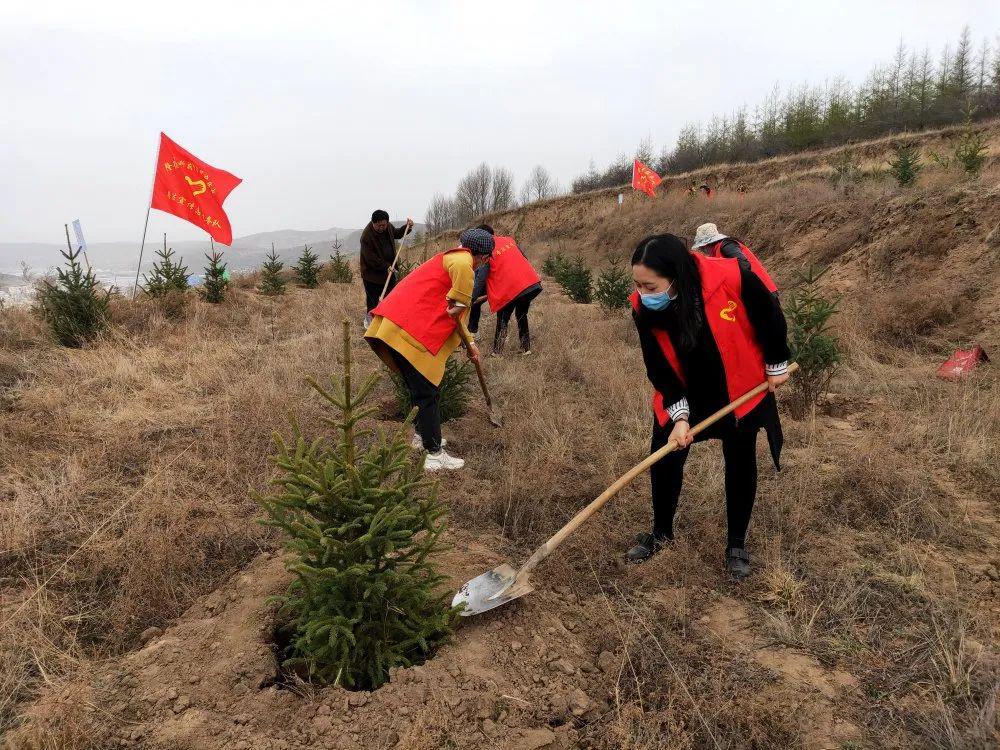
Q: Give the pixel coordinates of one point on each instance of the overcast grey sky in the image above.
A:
(328, 110)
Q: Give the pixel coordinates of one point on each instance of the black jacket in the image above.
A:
(705, 390)
(378, 250)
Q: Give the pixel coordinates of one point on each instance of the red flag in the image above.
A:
(962, 362)
(187, 187)
(644, 178)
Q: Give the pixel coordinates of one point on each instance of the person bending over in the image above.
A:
(509, 283)
(710, 331)
(415, 329)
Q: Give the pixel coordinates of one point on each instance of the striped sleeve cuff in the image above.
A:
(779, 369)
(680, 410)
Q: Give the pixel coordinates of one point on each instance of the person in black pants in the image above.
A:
(710, 331)
(427, 398)
(512, 267)
(478, 297)
(519, 309)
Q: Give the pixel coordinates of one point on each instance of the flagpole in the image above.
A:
(149, 207)
(138, 268)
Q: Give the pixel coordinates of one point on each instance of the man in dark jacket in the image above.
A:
(378, 251)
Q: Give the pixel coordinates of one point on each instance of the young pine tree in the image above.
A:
(363, 527)
(813, 345)
(554, 264)
(971, 151)
(308, 268)
(73, 305)
(340, 269)
(167, 275)
(905, 166)
(613, 286)
(272, 283)
(575, 280)
(216, 279)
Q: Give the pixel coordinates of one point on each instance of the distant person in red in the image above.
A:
(706, 190)
(509, 283)
(710, 241)
(378, 251)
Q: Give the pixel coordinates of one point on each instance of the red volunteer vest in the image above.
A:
(742, 358)
(510, 273)
(715, 251)
(419, 303)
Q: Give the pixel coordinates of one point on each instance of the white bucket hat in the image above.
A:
(707, 234)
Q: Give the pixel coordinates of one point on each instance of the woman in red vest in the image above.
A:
(713, 243)
(415, 329)
(710, 331)
(510, 283)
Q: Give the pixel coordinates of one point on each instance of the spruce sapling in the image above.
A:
(363, 526)
(575, 280)
(906, 165)
(73, 305)
(613, 286)
(272, 283)
(216, 281)
(813, 345)
(308, 268)
(340, 269)
(167, 275)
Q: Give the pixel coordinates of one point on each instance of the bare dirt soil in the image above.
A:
(871, 620)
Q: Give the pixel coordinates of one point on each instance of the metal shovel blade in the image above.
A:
(495, 419)
(490, 590)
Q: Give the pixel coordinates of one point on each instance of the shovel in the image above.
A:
(504, 584)
(493, 414)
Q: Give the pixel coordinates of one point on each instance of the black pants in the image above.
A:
(427, 398)
(739, 449)
(474, 315)
(373, 290)
(519, 309)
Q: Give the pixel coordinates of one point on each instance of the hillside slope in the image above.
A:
(871, 621)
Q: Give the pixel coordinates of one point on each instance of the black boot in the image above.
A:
(646, 546)
(737, 562)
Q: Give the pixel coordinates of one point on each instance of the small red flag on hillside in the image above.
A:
(644, 178)
(187, 187)
(962, 362)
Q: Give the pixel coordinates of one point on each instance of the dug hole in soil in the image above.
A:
(522, 677)
(542, 672)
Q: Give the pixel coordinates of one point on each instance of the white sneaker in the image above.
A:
(441, 460)
(417, 443)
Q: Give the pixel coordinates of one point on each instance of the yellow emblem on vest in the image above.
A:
(726, 313)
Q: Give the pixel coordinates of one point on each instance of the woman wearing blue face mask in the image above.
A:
(710, 331)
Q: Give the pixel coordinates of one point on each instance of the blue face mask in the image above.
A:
(657, 300)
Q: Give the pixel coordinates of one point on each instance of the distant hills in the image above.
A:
(246, 252)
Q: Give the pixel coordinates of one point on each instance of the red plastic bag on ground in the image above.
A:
(962, 362)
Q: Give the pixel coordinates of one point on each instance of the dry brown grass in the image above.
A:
(873, 544)
(158, 430)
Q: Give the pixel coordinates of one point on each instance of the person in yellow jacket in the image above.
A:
(415, 329)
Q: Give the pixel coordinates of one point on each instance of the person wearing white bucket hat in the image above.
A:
(713, 243)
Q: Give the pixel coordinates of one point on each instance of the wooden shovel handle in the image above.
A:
(467, 340)
(560, 536)
(392, 268)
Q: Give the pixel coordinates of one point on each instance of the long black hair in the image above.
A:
(667, 255)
